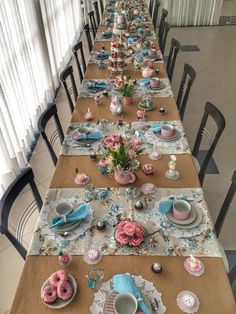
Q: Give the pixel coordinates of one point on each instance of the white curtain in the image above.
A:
(62, 20)
(25, 84)
(192, 12)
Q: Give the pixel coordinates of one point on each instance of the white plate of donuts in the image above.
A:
(58, 290)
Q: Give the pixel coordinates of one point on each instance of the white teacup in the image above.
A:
(126, 303)
(63, 209)
(167, 130)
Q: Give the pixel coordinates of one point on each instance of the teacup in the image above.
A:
(63, 209)
(152, 52)
(126, 303)
(155, 82)
(83, 130)
(181, 209)
(167, 130)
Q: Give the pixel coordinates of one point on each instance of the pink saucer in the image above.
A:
(82, 181)
(148, 188)
(154, 156)
(199, 268)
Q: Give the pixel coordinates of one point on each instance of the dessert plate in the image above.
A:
(109, 306)
(58, 304)
(193, 224)
(156, 88)
(173, 137)
(191, 218)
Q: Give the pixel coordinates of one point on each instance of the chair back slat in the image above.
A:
(162, 39)
(161, 25)
(67, 74)
(155, 14)
(93, 23)
(174, 50)
(78, 50)
(88, 37)
(95, 4)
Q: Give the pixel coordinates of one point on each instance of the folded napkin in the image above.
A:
(125, 283)
(78, 214)
(95, 135)
(156, 127)
(98, 85)
(167, 205)
(144, 81)
(103, 55)
(107, 35)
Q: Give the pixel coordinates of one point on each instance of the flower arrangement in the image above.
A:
(125, 85)
(121, 153)
(130, 232)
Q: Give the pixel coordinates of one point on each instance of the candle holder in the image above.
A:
(162, 110)
(64, 258)
(172, 173)
(94, 278)
(156, 268)
(97, 100)
(194, 266)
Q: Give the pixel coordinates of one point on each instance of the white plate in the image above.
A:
(157, 88)
(58, 304)
(109, 306)
(195, 223)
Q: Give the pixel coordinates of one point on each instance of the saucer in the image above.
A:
(154, 156)
(173, 137)
(156, 88)
(58, 304)
(184, 301)
(193, 224)
(145, 108)
(148, 188)
(189, 220)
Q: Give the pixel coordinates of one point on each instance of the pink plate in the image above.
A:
(148, 188)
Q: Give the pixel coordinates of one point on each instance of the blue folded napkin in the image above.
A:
(78, 214)
(107, 35)
(103, 55)
(165, 206)
(144, 81)
(90, 135)
(156, 127)
(125, 283)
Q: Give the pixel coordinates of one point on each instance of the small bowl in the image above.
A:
(126, 303)
(181, 209)
(63, 209)
(167, 130)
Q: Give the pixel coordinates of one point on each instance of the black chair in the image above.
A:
(174, 50)
(164, 15)
(50, 112)
(232, 275)
(72, 90)
(209, 111)
(78, 48)
(93, 23)
(9, 197)
(150, 8)
(88, 37)
(101, 6)
(155, 13)
(162, 39)
(188, 78)
(226, 205)
(95, 4)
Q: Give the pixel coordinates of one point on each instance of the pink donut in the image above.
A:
(64, 290)
(49, 294)
(58, 277)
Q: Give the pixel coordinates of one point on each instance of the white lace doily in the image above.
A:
(172, 230)
(145, 286)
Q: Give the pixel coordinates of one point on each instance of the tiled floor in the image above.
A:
(216, 76)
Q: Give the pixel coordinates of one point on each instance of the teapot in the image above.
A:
(147, 72)
(124, 177)
(116, 106)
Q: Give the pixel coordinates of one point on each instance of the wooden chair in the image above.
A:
(186, 83)
(161, 25)
(78, 50)
(155, 13)
(226, 205)
(162, 39)
(50, 112)
(95, 4)
(93, 23)
(101, 6)
(174, 50)
(72, 90)
(6, 202)
(150, 8)
(88, 37)
(209, 111)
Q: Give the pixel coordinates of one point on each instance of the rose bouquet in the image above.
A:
(121, 153)
(130, 233)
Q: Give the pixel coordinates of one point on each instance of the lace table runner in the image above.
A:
(116, 204)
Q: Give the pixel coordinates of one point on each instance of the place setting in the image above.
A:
(155, 86)
(169, 136)
(91, 88)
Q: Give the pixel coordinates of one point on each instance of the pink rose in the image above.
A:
(129, 228)
(122, 238)
(107, 141)
(119, 85)
(115, 138)
(121, 226)
(136, 142)
(135, 241)
(139, 231)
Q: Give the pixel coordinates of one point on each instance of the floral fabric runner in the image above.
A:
(117, 204)
(136, 130)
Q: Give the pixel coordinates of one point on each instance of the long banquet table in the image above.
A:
(212, 288)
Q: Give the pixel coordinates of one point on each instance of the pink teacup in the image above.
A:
(152, 52)
(167, 130)
(155, 82)
(181, 209)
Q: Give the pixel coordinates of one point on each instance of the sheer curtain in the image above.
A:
(62, 20)
(25, 84)
(192, 12)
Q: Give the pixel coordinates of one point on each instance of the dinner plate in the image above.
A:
(83, 141)
(109, 306)
(156, 88)
(58, 304)
(195, 223)
(189, 220)
(173, 137)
